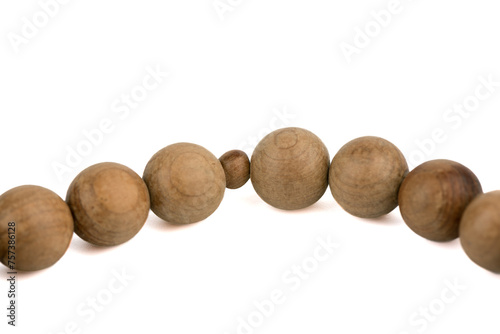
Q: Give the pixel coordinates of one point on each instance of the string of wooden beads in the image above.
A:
(108, 203)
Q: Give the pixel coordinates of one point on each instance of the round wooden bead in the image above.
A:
(365, 176)
(480, 231)
(109, 202)
(236, 168)
(186, 183)
(433, 198)
(43, 227)
(290, 168)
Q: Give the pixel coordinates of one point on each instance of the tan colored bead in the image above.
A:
(43, 227)
(109, 202)
(365, 176)
(186, 183)
(236, 168)
(289, 168)
(480, 231)
(434, 196)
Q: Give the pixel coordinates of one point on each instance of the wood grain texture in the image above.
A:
(434, 196)
(480, 231)
(109, 202)
(365, 176)
(44, 227)
(289, 168)
(186, 183)
(236, 168)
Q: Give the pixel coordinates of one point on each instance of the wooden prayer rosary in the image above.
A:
(108, 203)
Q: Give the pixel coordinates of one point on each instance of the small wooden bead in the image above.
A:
(365, 176)
(480, 231)
(289, 168)
(236, 168)
(109, 202)
(186, 183)
(43, 227)
(434, 196)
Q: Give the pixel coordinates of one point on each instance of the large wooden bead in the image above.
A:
(365, 176)
(434, 196)
(480, 231)
(186, 183)
(290, 168)
(236, 167)
(41, 223)
(109, 202)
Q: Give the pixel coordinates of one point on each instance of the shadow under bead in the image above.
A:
(365, 176)
(109, 202)
(480, 231)
(236, 168)
(434, 196)
(186, 183)
(43, 227)
(289, 168)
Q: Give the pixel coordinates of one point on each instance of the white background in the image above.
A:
(229, 76)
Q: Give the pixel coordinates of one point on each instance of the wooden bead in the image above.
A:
(433, 198)
(109, 202)
(186, 183)
(290, 168)
(236, 168)
(365, 176)
(43, 227)
(480, 231)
